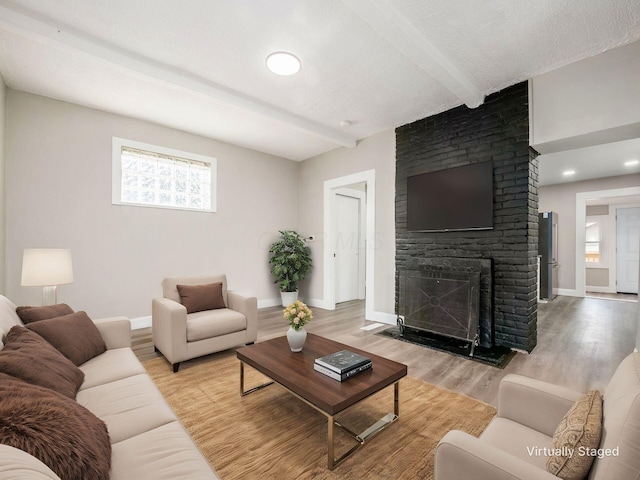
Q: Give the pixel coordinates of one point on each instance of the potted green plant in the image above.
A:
(290, 261)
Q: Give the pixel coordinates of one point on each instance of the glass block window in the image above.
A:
(145, 175)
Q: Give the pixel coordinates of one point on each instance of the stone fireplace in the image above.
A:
(504, 257)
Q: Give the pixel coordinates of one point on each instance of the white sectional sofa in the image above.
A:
(148, 440)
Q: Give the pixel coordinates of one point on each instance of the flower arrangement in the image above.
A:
(298, 315)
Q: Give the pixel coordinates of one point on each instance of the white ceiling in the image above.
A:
(605, 160)
(199, 65)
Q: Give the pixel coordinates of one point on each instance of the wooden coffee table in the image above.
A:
(294, 371)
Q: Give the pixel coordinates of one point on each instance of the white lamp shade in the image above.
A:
(46, 266)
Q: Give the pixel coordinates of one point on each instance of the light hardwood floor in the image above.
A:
(580, 343)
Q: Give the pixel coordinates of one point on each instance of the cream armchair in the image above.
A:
(529, 411)
(180, 336)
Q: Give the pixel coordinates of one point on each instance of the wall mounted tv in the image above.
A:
(453, 199)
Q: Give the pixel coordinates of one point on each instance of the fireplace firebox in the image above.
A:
(448, 296)
(441, 302)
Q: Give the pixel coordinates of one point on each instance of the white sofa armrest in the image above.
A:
(115, 331)
(536, 404)
(248, 306)
(169, 328)
(460, 455)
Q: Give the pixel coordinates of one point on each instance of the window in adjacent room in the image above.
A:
(151, 176)
(593, 242)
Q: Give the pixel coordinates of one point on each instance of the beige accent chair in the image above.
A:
(180, 336)
(528, 413)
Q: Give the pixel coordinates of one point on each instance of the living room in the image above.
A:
(58, 151)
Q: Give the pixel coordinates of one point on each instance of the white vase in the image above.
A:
(296, 338)
(288, 298)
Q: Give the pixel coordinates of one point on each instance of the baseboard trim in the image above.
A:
(277, 302)
(566, 292)
(382, 317)
(269, 302)
(140, 322)
(600, 290)
(319, 303)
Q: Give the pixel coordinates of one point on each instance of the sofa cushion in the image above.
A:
(55, 429)
(518, 440)
(166, 452)
(621, 423)
(8, 317)
(16, 465)
(112, 365)
(129, 406)
(35, 314)
(198, 298)
(31, 358)
(74, 335)
(214, 323)
(579, 429)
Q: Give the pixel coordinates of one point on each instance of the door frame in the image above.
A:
(367, 177)
(581, 219)
(362, 228)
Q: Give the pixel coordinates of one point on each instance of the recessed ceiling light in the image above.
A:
(568, 173)
(631, 163)
(283, 63)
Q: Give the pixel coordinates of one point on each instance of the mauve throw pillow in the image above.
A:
(197, 298)
(75, 336)
(58, 431)
(35, 314)
(28, 356)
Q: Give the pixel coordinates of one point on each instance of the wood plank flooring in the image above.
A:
(580, 343)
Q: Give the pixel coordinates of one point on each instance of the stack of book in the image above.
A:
(342, 365)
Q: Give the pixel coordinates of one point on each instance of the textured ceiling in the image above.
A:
(199, 65)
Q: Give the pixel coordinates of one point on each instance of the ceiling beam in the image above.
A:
(22, 21)
(398, 31)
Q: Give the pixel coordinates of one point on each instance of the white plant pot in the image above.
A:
(288, 298)
(296, 338)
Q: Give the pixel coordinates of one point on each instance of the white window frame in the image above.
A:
(596, 220)
(116, 186)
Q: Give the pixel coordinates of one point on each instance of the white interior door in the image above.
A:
(628, 234)
(347, 247)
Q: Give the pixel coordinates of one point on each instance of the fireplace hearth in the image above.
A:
(495, 356)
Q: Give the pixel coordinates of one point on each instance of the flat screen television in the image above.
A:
(453, 199)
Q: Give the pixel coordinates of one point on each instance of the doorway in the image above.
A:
(582, 199)
(349, 239)
(628, 246)
(367, 241)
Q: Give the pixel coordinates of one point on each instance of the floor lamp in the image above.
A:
(47, 268)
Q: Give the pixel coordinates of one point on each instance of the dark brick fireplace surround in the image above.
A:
(498, 130)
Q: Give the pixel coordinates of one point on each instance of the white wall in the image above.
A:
(3, 113)
(638, 327)
(59, 195)
(561, 198)
(377, 152)
(594, 101)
